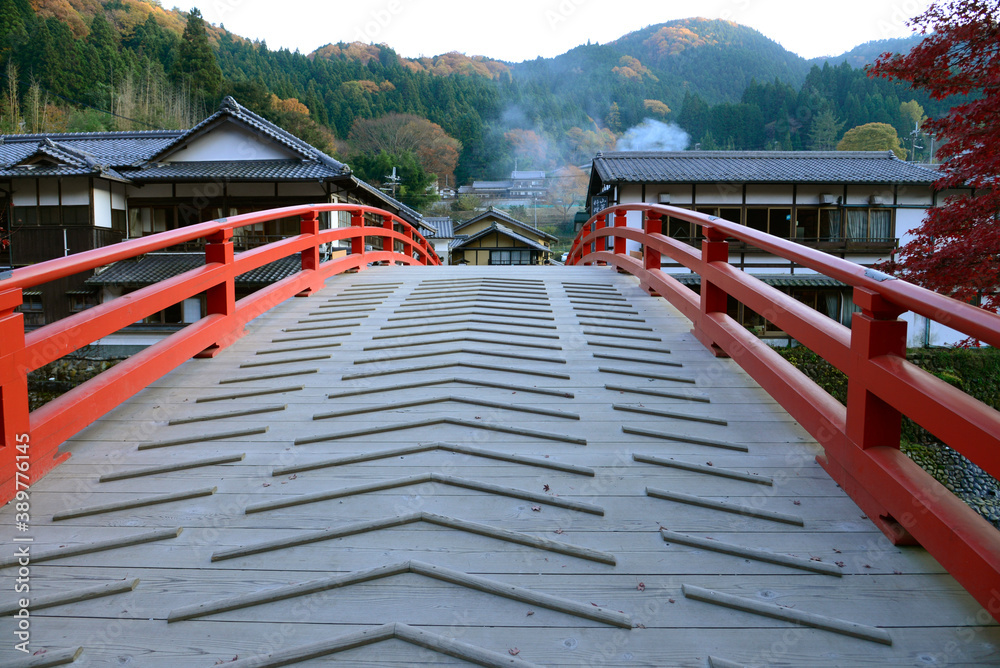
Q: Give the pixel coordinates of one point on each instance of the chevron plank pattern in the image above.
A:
(498, 466)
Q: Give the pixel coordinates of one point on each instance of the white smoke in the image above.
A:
(653, 135)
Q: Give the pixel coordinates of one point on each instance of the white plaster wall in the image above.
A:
(118, 196)
(191, 310)
(229, 142)
(808, 194)
(102, 204)
(48, 192)
(915, 196)
(679, 194)
(862, 194)
(908, 220)
(919, 334)
(25, 192)
(76, 192)
(769, 194)
(718, 193)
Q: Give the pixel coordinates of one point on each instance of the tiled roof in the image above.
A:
(493, 212)
(487, 185)
(444, 227)
(776, 280)
(136, 156)
(501, 229)
(155, 267)
(232, 111)
(45, 157)
(116, 149)
(877, 167)
(250, 170)
(527, 175)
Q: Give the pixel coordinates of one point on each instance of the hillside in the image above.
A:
(120, 64)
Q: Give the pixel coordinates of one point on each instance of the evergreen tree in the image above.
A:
(15, 15)
(196, 65)
(825, 132)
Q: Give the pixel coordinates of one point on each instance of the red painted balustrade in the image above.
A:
(31, 441)
(860, 441)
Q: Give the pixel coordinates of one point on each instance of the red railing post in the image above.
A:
(654, 225)
(220, 299)
(309, 224)
(875, 331)
(358, 243)
(714, 299)
(14, 420)
(650, 256)
(408, 244)
(600, 224)
(619, 241)
(388, 244)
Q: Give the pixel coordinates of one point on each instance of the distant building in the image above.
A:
(495, 238)
(524, 188)
(856, 205)
(441, 236)
(64, 193)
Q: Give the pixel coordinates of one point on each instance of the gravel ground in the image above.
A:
(966, 480)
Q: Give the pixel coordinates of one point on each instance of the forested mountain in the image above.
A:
(130, 64)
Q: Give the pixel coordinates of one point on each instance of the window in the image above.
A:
(869, 225)
(119, 223)
(506, 257)
(32, 308)
(147, 220)
(772, 221)
(81, 301)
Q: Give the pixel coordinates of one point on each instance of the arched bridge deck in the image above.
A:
(499, 466)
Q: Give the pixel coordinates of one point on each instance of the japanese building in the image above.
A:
(860, 206)
(71, 192)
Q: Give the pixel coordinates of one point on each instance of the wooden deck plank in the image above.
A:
(903, 591)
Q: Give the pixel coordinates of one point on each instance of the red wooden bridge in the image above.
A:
(584, 465)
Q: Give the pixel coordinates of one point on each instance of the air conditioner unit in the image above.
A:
(827, 199)
(664, 198)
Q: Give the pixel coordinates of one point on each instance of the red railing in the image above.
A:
(861, 440)
(31, 441)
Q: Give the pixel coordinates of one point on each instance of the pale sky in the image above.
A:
(517, 30)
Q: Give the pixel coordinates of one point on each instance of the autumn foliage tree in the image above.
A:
(398, 134)
(956, 250)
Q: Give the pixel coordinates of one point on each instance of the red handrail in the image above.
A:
(31, 441)
(861, 440)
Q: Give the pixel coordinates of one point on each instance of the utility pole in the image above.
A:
(393, 181)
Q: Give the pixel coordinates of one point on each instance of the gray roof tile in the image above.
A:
(877, 167)
(493, 212)
(501, 229)
(251, 170)
(444, 227)
(155, 267)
